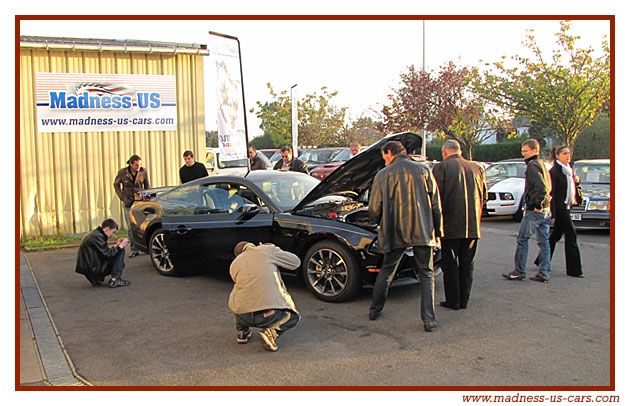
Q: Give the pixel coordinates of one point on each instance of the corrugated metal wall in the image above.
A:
(66, 179)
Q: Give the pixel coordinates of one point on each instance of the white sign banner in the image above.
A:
(230, 115)
(101, 102)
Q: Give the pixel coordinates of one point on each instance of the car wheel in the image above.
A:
(160, 256)
(518, 216)
(331, 272)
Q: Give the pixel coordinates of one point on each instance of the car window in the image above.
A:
(208, 199)
(592, 173)
(515, 170)
(287, 191)
(342, 156)
(276, 156)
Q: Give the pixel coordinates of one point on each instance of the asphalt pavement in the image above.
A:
(179, 332)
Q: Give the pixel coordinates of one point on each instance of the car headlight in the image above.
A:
(603, 205)
(506, 196)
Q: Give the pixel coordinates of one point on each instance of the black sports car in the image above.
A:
(195, 226)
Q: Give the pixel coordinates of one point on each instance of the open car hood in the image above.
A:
(357, 174)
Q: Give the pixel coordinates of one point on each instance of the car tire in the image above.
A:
(330, 272)
(160, 257)
(518, 216)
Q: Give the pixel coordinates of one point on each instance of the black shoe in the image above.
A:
(445, 304)
(539, 278)
(374, 315)
(134, 254)
(429, 326)
(93, 281)
(514, 276)
(115, 283)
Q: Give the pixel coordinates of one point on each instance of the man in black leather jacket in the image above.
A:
(405, 202)
(289, 162)
(96, 260)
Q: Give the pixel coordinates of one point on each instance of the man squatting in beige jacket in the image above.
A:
(259, 297)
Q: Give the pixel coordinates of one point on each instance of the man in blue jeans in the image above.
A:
(259, 297)
(537, 217)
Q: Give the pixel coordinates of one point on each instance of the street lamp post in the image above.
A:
(424, 132)
(294, 122)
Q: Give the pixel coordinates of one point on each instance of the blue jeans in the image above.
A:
(128, 221)
(538, 223)
(280, 320)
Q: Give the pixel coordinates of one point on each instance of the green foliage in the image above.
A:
(497, 152)
(320, 121)
(212, 139)
(563, 94)
(55, 241)
(594, 141)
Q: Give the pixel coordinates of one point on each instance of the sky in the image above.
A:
(361, 60)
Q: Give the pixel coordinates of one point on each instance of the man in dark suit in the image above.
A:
(463, 192)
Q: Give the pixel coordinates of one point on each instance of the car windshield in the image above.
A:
(241, 163)
(318, 156)
(286, 190)
(276, 156)
(343, 156)
(592, 173)
(509, 170)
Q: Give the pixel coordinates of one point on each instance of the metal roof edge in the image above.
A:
(101, 45)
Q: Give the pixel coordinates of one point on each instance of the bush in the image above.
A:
(497, 152)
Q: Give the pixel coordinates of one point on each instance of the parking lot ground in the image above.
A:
(179, 331)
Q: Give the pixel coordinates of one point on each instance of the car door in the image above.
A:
(218, 215)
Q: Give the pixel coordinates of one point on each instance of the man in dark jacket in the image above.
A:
(405, 202)
(129, 180)
(96, 260)
(288, 163)
(463, 191)
(191, 170)
(537, 217)
(255, 162)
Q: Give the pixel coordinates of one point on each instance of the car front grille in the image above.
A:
(492, 196)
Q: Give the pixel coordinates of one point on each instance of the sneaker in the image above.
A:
(269, 339)
(514, 275)
(539, 278)
(134, 254)
(242, 337)
(114, 283)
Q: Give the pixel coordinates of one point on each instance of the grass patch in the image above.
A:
(59, 241)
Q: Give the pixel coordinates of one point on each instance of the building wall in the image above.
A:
(66, 179)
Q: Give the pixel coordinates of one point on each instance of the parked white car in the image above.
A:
(506, 185)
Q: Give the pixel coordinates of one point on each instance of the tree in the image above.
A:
(445, 103)
(363, 130)
(320, 121)
(594, 140)
(212, 139)
(563, 94)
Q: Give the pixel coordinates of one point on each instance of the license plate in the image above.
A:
(576, 217)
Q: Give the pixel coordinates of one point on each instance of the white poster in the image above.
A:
(231, 114)
(76, 102)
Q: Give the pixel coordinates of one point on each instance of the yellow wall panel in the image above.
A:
(66, 179)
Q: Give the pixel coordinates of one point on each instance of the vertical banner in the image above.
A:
(231, 124)
(294, 122)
